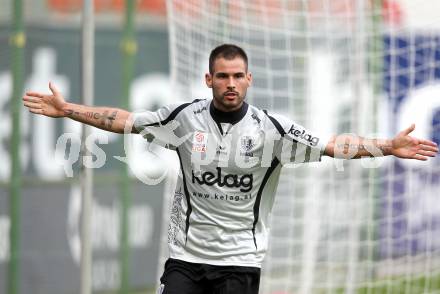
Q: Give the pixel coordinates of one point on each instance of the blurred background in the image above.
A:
(49, 211)
(369, 67)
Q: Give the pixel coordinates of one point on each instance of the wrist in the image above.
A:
(66, 109)
(386, 146)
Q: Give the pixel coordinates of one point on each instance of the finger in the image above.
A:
(36, 111)
(429, 148)
(419, 157)
(427, 153)
(32, 105)
(429, 143)
(53, 89)
(408, 130)
(31, 99)
(34, 94)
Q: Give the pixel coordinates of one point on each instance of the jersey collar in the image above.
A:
(232, 117)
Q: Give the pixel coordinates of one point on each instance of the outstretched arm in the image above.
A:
(402, 145)
(53, 105)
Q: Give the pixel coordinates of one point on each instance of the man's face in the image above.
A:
(229, 83)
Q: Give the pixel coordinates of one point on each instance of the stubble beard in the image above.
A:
(229, 105)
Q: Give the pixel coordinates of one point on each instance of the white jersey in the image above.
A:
(229, 170)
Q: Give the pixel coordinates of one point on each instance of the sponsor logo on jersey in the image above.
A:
(198, 111)
(303, 135)
(225, 197)
(244, 182)
(221, 150)
(255, 117)
(200, 141)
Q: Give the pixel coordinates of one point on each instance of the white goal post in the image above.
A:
(335, 66)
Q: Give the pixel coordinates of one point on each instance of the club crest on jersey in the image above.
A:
(247, 143)
(200, 141)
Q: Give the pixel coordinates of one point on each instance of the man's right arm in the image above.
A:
(106, 118)
(53, 105)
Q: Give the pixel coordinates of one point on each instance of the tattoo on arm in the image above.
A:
(68, 112)
(363, 147)
(105, 119)
(111, 119)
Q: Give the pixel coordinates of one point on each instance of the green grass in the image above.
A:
(398, 286)
(401, 285)
(419, 285)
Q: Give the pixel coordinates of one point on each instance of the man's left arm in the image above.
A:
(402, 145)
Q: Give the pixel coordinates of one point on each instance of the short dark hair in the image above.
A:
(226, 51)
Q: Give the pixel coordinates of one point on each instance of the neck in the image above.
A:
(232, 116)
(220, 107)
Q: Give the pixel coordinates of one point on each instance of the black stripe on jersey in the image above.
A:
(185, 189)
(219, 125)
(269, 171)
(276, 124)
(308, 153)
(172, 115)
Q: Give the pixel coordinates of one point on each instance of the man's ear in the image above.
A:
(249, 78)
(208, 80)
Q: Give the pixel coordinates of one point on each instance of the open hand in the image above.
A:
(405, 146)
(49, 105)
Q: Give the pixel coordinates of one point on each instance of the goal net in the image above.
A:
(370, 67)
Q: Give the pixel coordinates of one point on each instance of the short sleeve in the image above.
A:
(158, 124)
(146, 119)
(297, 144)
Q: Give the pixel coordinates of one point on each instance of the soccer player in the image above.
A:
(229, 169)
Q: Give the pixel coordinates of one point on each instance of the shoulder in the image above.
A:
(196, 103)
(166, 113)
(186, 107)
(267, 120)
(290, 129)
(271, 120)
